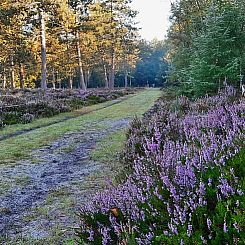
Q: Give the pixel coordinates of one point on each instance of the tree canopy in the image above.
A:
(206, 43)
(63, 43)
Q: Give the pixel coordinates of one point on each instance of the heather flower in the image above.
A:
(225, 227)
(91, 235)
(225, 188)
(236, 226)
(189, 230)
(169, 170)
(240, 192)
(203, 240)
(106, 239)
(209, 223)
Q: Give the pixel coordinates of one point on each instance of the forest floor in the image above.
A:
(52, 166)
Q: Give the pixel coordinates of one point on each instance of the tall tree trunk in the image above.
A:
(12, 75)
(43, 52)
(87, 77)
(125, 69)
(241, 76)
(22, 75)
(59, 80)
(70, 81)
(80, 67)
(125, 79)
(225, 82)
(4, 79)
(106, 76)
(112, 70)
(130, 81)
(53, 79)
(112, 67)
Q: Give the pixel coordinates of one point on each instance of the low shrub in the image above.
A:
(11, 117)
(27, 118)
(18, 105)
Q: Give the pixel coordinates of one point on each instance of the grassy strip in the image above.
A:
(106, 151)
(19, 147)
(42, 122)
(108, 148)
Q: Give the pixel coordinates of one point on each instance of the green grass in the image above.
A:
(47, 241)
(108, 148)
(42, 122)
(5, 186)
(19, 147)
(106, 152)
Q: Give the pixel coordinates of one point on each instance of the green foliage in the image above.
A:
(220, 212)
(11, 118)
(151, 67)
(206, 44)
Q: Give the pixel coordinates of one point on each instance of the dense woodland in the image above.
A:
(206, 43)
(62, 44)
(80, 44)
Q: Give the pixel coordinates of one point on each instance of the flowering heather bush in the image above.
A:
(1, 121)
(187, 179)
(27, 118)
(16, 106)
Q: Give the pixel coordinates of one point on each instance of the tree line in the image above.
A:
(206, 43)
(64, 42)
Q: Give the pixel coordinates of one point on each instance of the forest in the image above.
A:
(108, 138)
(206, 44)
(73, 43)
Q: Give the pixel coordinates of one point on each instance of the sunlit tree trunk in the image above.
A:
(112, 70)
(241, 76)
(80, 67)
(70, 81)
(43, 52)
(87, 77)
(4, 79)
(105, 75)
(53, 79)
(22, 75)
(125, 79)
(59, 79)
(125, 73)
(12, 74)
(112, 67)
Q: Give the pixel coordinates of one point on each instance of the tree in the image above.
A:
(151, 67)
(215, 57)
(116, 31)
(205, 43)
(62, 36)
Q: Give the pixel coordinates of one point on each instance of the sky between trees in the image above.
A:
(153, 17)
